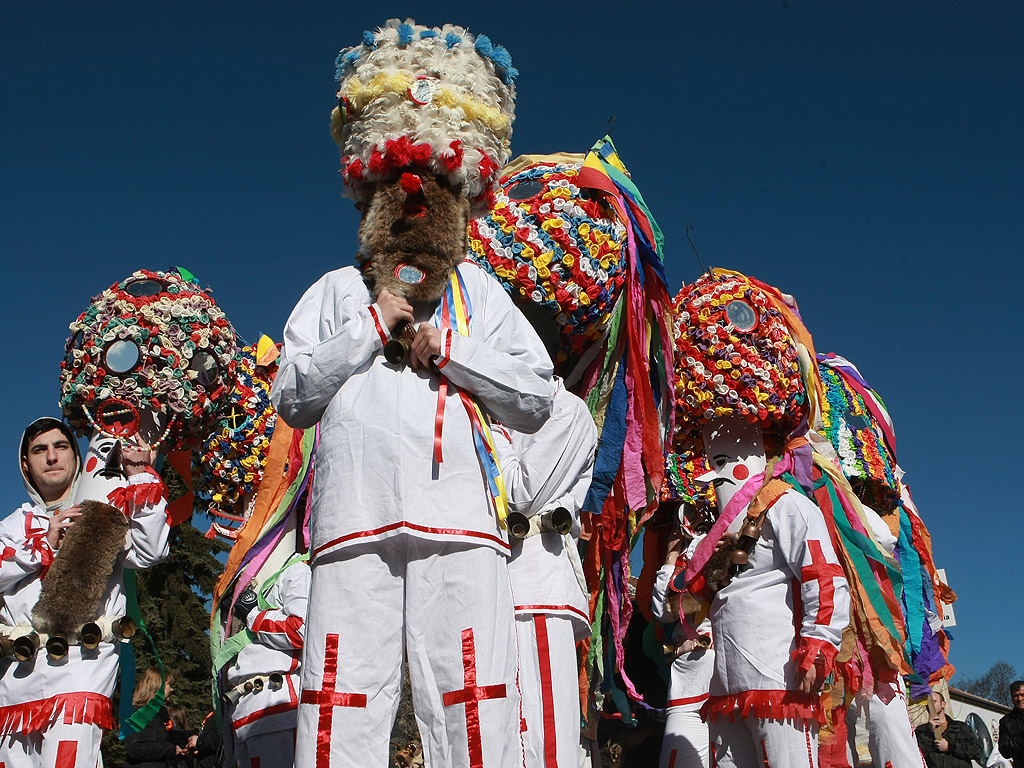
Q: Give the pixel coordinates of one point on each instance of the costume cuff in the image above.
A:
(813, 651)
(446, 348)
(378, 322)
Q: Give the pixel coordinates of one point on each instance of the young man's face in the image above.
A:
(1018, 699)
(50, 464)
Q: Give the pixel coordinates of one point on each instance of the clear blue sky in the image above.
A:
(865, 157)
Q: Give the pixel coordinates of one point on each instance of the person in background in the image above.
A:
(159, 743)
(1011, 727)
(945, 742)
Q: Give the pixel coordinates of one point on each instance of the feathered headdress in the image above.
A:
(438, 98)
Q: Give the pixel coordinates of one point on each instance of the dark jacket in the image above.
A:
(964, 746)
(1011, 736)
(155, 745)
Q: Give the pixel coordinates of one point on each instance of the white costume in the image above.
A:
(789, 608)
(263, 720)
(549, 469)
(686, 741)
(407, 556)
(53, 712)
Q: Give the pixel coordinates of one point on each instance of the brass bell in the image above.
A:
(560, 520)
(57, 645)
(124, 627)
(25, 647)
(275, 681)
(396, 349)
(257, 685)
(518, 525)
(90, 635)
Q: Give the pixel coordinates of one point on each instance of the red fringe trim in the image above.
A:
(137, 495)
(814, 650)
(85, 707)
(765, 705)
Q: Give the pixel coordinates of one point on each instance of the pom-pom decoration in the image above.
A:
(155, 343)
(555, 244)
(681, 473)
(436, 98)
(228, 467)
(740, 350)
(856, 423)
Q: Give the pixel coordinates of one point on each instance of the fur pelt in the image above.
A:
(435, 242)
(716, 572)
(78, 576)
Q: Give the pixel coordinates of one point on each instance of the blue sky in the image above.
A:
(864, 157)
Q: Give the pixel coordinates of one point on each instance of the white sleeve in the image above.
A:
(148, 526)
(555, 463)
(659, 595)
(329, 336)
(506, 366)
(24, 551)
(284, 627)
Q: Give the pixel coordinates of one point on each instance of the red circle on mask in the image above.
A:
(741, 472)
(90, 465)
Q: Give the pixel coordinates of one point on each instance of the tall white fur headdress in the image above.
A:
(439, 98)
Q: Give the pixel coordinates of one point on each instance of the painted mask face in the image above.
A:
(101, 471)
(413, 233)
(735, 453)
(152, 355)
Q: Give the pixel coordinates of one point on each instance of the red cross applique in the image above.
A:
(471, 696)
(327, 699)
(823, 571)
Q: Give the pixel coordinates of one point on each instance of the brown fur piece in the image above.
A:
(77, 578)
(435, 242)
(716, 572)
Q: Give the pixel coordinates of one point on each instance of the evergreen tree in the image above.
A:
(174, 598)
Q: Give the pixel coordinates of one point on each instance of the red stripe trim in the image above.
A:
(380, 328)
(403, 525)
(672, 759)
(277, 709)
(687, 700)
(289, 627)
(547, 694)
(67, 753)
(544, 608)
(446, 349)
(810, 752)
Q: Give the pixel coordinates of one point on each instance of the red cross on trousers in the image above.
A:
(327, 698)
(471, 696)
(823, 571)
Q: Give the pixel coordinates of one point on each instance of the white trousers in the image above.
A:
(549, 684)
(891, 739)
(273, 749)
(75, 745)
(686, 743)
(750, 742)
(448, 609)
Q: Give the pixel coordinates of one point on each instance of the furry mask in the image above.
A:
(413, 234)
(78, 576)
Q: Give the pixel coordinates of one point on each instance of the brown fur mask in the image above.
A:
(78, 576)
(424, 229)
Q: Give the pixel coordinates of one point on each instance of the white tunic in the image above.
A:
(770, 613)
(277, 647)
(375, 470)
(545, 470)
(33, 692)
